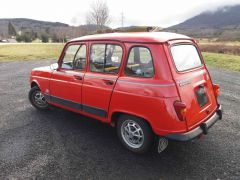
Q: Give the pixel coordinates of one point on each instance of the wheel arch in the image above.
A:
(116, 114)
(35, 83)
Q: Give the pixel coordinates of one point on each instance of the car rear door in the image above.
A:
(100, 79)
(193, 82)
(66, 81)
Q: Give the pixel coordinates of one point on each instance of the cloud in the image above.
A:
(148, 12)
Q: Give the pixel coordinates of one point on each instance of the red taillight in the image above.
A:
(181, 110)
(216, 89)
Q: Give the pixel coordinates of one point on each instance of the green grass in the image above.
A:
(13, 52)
(225, 61)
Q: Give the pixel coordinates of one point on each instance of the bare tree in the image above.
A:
(98, 14)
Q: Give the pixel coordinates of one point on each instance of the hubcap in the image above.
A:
(39, 99)
(132, 134)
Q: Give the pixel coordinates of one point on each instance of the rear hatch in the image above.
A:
(193, 82)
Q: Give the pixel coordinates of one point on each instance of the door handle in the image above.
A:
(78, 77)
(108, 82)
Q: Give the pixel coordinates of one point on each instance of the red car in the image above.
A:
(146, 84)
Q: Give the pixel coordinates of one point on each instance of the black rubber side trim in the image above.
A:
(47, 97)
(65, 102)
(95, 111)
(82, 107)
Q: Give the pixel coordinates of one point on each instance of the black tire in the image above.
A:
(32, 93)
(146, 130)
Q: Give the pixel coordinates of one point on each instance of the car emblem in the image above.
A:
(184, 83)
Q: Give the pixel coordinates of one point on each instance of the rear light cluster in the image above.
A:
(181, 110)
(216, 89)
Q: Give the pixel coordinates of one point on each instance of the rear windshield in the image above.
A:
(185, 57)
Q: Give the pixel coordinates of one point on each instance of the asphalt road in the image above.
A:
(59, 144)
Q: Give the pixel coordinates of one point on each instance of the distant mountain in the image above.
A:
(36, 28)
(22, 24)
(223, 23)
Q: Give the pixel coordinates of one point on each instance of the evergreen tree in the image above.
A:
(11, 30)
(44, 38)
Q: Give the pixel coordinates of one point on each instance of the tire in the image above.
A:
(37, 99)
(141, 141)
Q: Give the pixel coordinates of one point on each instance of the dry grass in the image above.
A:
(222, 49)
(13, 52)
(217, 42)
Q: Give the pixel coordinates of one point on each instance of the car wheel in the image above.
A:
(38, 99)
(134, 133)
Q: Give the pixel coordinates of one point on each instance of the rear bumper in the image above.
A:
(202, 129)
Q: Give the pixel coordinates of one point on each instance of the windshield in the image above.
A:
(185, 57)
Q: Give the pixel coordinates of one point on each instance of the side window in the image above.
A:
(105, 58)
(79, 61)
(75, 57)
(67, 62)
(139, 63)
(97, 58)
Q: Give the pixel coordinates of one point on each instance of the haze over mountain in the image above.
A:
(35, 28)
(224, 23)
(24, 24)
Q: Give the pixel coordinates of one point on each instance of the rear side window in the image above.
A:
(185, 57)
(105, 58)
(139, 63)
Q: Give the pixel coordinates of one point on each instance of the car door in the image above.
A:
(100, 79)
(66, 81)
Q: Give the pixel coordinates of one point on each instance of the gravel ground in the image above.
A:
(59, 144)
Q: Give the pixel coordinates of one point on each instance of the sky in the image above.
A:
(162, 13)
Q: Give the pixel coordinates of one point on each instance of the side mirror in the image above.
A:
(54, 66)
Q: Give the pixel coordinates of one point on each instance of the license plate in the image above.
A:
(201, 96)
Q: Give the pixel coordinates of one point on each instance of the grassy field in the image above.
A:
(13, 52)
(216, 42)
(225, 61)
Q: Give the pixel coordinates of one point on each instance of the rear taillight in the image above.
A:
(181, 110)
(216, 89)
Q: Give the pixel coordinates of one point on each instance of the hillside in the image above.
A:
(35, 28)
(22, 24)
(224, 24)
